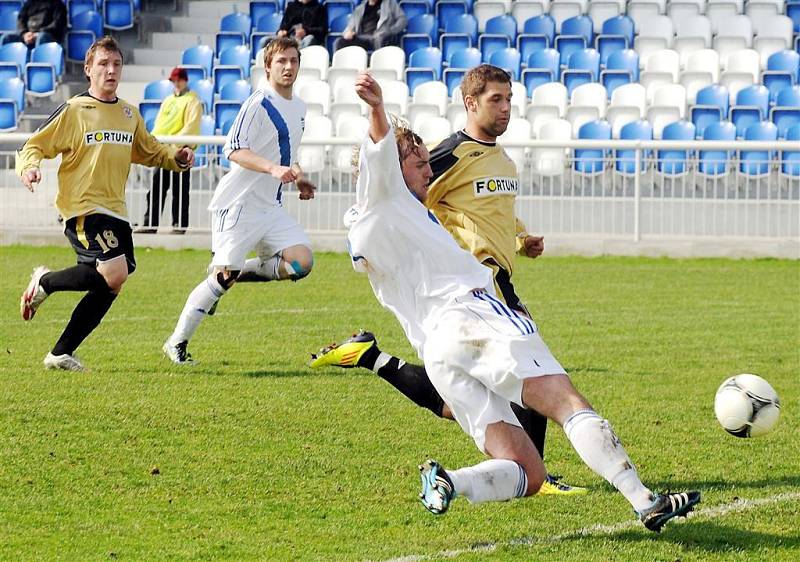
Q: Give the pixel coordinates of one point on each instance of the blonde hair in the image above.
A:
(408, 142)
(107, 43)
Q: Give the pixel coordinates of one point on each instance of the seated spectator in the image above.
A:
(306, 21)
(40, 21)
(374, 24)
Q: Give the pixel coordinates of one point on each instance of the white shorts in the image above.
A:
(237, 231)
(478, 355)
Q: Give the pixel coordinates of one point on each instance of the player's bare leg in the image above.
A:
(292, 263)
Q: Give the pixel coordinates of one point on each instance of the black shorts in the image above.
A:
(98, 238)
(503, 282)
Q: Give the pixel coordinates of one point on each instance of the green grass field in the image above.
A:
(251, 455)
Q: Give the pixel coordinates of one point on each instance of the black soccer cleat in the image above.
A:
(668, 506)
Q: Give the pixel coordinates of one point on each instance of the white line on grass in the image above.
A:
(250, 314)
(722, 510)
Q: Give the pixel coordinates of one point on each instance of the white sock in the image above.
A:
(265, 270)
(382, 360)
(598, 447)
(492, 480)
(197, 306)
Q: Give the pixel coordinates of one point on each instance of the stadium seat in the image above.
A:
(16, 54)
(664, 61)
(337, 9)
(752, 106)
(772, 34)
(486, 10)
(433, 130)
(158, 89)
(550, 161)
(457, 115)
(562, 11)
(259, 9)
(312, 158)
(118, 14)
(419, 112)
(543, 67)
(507, 59)
(14, 89)
(396, 93)
(691, 34)
(51, 53)
(786, 112)
(655, 34)
(523, 10)
(552, 94)
(449, 9)
(790, 160)
(620, 115)
(434, 93)
(427, 58)
(356, 129)
(717, 10)
(591, 161)
(754, 163)
(630, 95)
(315, 58)
(238, 90)
(625, 159)
(543, 27)
(782, 71)
(201, 56)
(412, 8)
(576, 34)
(77, 7)
(711, 107)
(316, 92)
(600, 12)
(224, 75)
(422, 25)
(269, 23)
(793, 13)
(714, 163)
(353, 57)
(583, 68)
(706, 60)
(388, 62)
(672, 162)
(622, 67)
(733, 33)
(538, 115)
(616, 35)
(590, 95)
(671, 95)
(149, 111)
(8, 114)
(8, 15)
(452, 78)
(518, 130)
(204, 89)
(225, 111)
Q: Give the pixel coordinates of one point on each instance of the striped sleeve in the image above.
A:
(246, 125)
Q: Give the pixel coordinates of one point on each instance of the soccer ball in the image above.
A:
(747, 406)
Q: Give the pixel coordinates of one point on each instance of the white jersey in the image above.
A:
(271, 126)
(414, 265)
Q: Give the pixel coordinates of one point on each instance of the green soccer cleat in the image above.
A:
(345, 354)
(553, 486)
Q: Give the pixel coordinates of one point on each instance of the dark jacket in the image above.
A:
(313, 16)
(43, 15)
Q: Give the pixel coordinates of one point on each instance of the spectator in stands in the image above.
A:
(374, 24)
(180, 114)
(306, 21)
(40, 21)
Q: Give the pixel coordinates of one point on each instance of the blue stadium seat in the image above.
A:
(528, 44)
(449, 9)
(225, 111)
(205, 92)
(711, 107)
(199, 55)
(464, 23)
(502, 25)
(201, 154)
(752, 106)
(78, 42)
(149, 110)
(427, 58)
(786, 113)
(8, 115)
(338, 8)
(335, 29)
(626, 158)
(622, 67)
(507, 59)
(225, 74)
(583, 67)
(260, 9)
(576, 33)
(40, 79)
(270, 23)
(77, 7)
(88, 20)
(782, 71)
(465, 58)
(489, 44)
(543, 26)
(421, 32)
(227, 40)
(239, 91)
(793, 12)
(236, 21)
(452, 78)
(617, 35)
(460, 33)
(790, 159)
(52, 53)
(671, 162)
(236, 56)
(592, 161)
(158, 90)
(118, 14)
(449, 43)
(258, 41)
(16, 54)
(757, 162)
(9, 70)
(715, 162)
(8, 14)
(543, 67)
(416, 76)
(194, 72)
(413, 8)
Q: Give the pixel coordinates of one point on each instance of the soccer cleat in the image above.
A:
(65, 362)
(553, 486)
(437, 488)
(668, 506)
(34, 295)
(345, 354)
(177, 353)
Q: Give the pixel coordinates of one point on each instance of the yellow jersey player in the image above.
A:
(472, 195)
(98, 136)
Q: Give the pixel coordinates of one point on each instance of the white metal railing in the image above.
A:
(555, 196)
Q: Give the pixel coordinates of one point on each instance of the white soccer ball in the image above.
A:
(747, 406)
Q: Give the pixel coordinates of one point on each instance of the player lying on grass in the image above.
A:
(479, 354)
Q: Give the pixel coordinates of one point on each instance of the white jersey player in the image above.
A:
(247, 214)
(480, 355)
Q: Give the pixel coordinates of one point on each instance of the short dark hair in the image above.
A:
(107, 43)
(278, 45)
(475, 80)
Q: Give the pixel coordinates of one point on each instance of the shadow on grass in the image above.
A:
(711, 537)
(727, 484)
(585, 369)
(277, 373)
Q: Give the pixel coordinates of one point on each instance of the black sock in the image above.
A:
(534, 424)
(368, 359)
(413, 382)
(81, 277)
(85, 318)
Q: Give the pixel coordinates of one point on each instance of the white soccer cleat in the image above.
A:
(177, 353)
(64, 362)
(34, 295)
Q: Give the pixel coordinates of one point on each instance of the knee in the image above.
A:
(535, 480)
(115, 280)
(298, 262)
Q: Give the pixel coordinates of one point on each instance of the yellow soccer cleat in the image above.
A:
(345, 354)
(552, 486)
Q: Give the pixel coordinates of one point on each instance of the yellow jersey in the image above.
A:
(472, 194)
(179, 115)
(97, 141)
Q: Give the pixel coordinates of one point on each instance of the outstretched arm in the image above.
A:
(369, 90)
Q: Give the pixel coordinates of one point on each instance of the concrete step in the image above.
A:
(194, 25)
(216, 9)
(179, 41)
(145, 72)
(157, 57)
(131, 92)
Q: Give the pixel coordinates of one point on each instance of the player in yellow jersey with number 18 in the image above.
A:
(98, 136)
